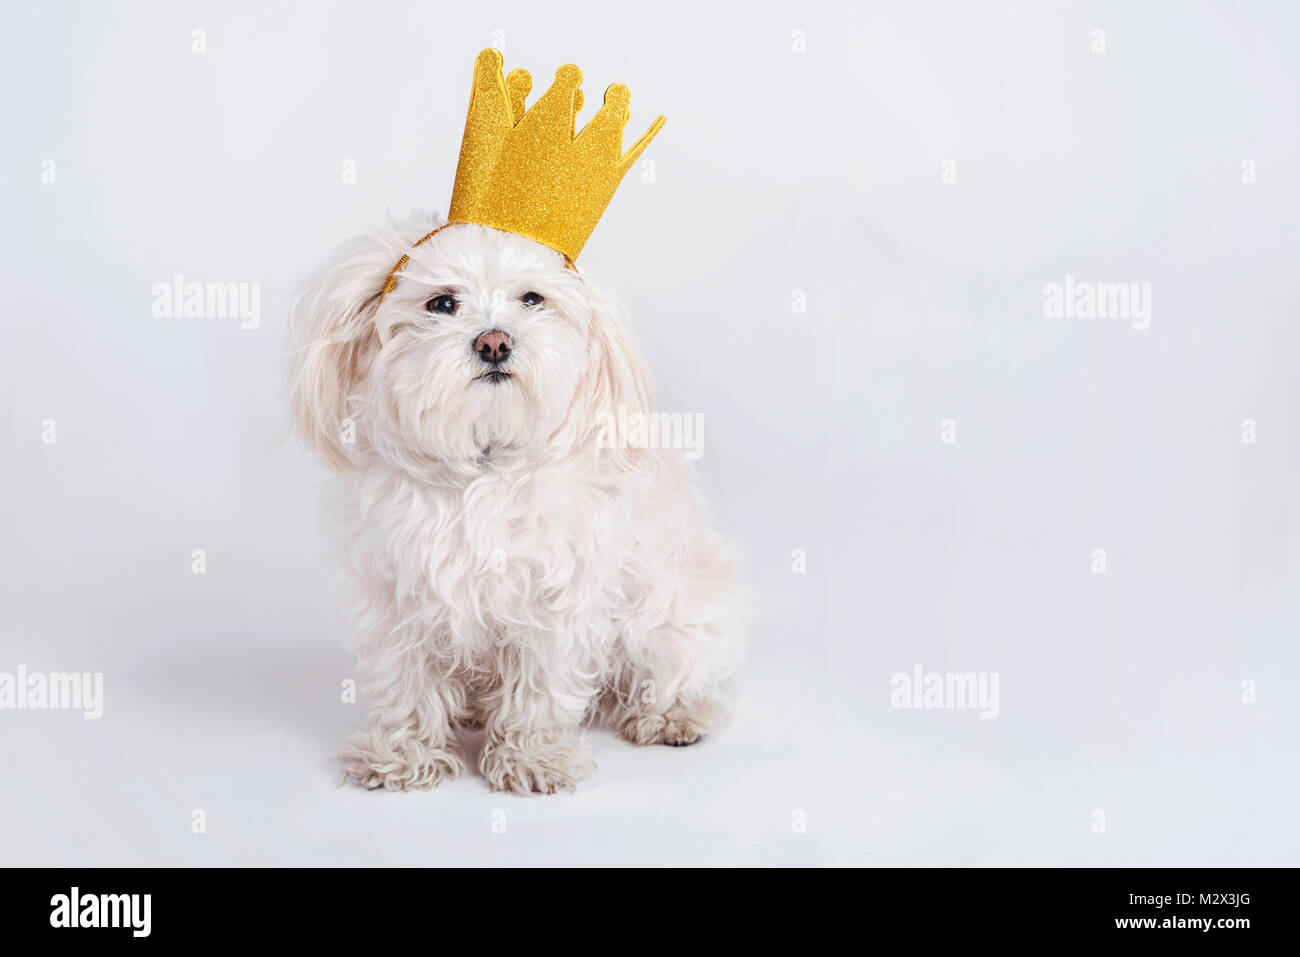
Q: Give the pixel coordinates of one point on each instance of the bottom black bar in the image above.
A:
(341, 907)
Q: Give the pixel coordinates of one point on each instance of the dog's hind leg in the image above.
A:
(673, 682)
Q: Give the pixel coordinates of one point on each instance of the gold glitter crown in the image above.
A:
(525, 171)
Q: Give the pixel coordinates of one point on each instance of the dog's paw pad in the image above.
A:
(678, 728)
(679, 734)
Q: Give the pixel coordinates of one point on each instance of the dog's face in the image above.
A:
(488, 343)
(483, 344)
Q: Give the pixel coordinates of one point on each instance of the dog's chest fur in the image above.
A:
(498, 551)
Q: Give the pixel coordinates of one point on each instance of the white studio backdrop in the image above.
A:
(837, 256)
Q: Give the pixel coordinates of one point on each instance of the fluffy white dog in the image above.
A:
(516, 572)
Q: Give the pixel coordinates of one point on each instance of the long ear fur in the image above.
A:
(333, 338)
(618, 378)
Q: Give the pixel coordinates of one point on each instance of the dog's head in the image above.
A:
(487, 344)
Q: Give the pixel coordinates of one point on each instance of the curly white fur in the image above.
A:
(514, 574)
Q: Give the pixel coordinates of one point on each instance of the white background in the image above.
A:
(776, 172)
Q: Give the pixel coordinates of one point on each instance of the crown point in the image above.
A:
(520, 79)
(568, 76)
(618, 95)
(518, 85)
(489, 59)
(640, 145)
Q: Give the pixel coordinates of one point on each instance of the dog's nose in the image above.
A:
(493, 347)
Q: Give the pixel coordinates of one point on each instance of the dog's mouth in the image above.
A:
(493, 375)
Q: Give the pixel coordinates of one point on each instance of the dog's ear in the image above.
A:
(333, 341)
(617, 384)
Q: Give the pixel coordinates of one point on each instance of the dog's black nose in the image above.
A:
(493, 347)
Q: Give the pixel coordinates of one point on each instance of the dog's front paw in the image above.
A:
(679, 726)
(373, 762)
(538, 768)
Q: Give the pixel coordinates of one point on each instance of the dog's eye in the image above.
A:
(532, 299)
(445, 304)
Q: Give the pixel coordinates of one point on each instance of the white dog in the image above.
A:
(516, 571)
